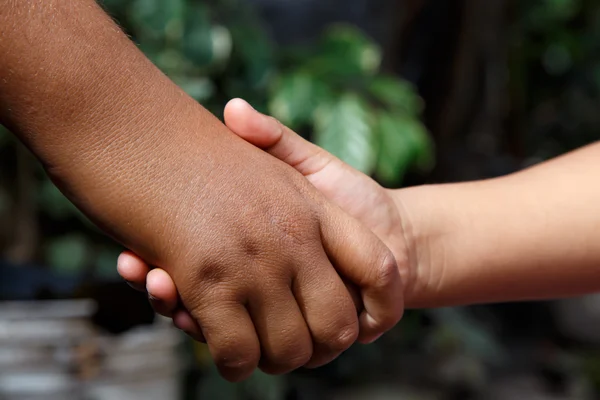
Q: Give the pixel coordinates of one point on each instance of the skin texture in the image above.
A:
(261, 258)
(532, 235)
(528, 236)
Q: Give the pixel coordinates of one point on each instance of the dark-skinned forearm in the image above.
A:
(88, 103)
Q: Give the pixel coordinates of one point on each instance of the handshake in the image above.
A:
(328, 256)
(273, 251)
(286, 280)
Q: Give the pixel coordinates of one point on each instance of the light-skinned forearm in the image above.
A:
(530, 235)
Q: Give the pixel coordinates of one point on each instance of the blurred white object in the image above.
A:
(380, 392)
(49, 350)
(524, 387)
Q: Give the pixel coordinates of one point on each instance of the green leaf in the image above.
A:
(67, 254)
(158, 19)
(114, 6)
(396, 94)
(344, 129)
(294, 98)
(200, 88)
(222, 44)
(547, 13)
(197, 38)
(172, 62)
(404, 144)
(253, 51)
(345, 53)
(254, 54)
(395, 154)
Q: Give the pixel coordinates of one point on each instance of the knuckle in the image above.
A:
(211, 272)
(251, 246)
(195, 277)
(295, 228)
(211, 281)
(298, 360)
(279, 126)
(346, 337)
(386, 272)
(237, 366)
(212, 304)
(341, 339)
(240, 363)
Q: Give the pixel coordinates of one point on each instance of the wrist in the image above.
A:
(431, 220)
(409, 203)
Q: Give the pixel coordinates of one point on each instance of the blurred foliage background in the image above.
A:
(409, 92)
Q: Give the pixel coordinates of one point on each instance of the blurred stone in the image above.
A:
(531, 388)
(381, 392)
(51, 350)
(462, 370)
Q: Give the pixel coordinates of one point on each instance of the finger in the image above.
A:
(271, 135)
(285, 340)
(362, 258)
(230, 335)
(184, 321)
(328, 310)
(355, 295)
(133, 269)
(162, 292)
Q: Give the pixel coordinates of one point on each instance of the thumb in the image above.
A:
(364, 260)
(275, 138)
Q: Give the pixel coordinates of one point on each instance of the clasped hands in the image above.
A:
(344, 278)
(271, 250)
